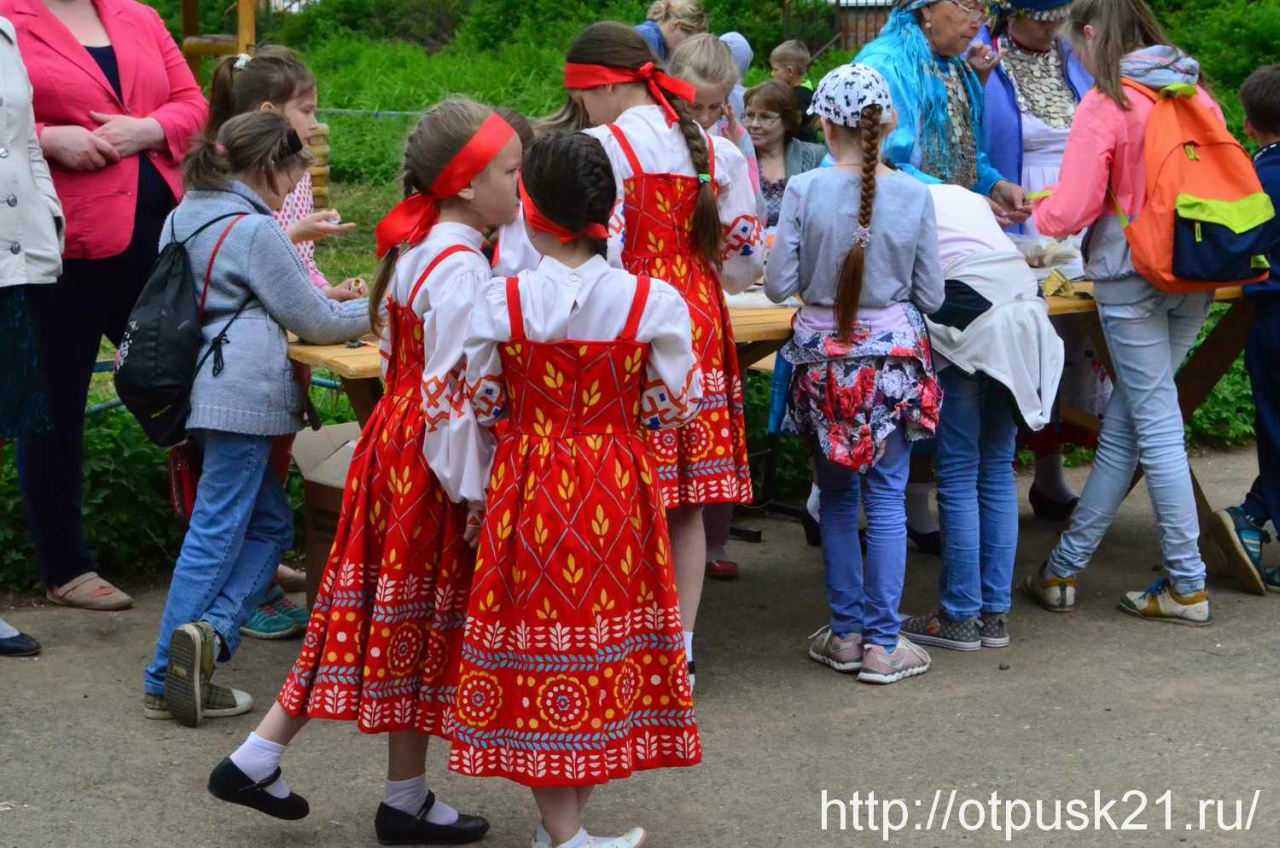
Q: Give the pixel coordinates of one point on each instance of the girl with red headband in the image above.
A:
(686, 213)
(573, 666)
(386, 629)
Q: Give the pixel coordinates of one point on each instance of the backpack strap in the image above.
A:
(627, 150)
(206, 225)
(215, 347)
(515, 312)
(208, 271)
(451, 250)
(638, 302)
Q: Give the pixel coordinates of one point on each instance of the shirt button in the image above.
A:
(575, 278)
(4, 153)
(11, 200)
(15, 248)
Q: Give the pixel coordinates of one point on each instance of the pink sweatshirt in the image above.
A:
(299, 204)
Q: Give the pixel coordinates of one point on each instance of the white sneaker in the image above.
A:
(633, 838)
(1161, 603)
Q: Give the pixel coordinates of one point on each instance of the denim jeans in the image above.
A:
(866, 604)
(1261, 356)
(241, 527)
(977, 494)
(1149, 339)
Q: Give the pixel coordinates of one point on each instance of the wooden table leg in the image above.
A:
(364, 396)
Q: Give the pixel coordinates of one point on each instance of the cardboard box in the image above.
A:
(323, 457)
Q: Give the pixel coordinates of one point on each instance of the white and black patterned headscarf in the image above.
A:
(846, 91)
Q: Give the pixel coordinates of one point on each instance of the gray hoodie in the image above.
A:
(255, 393)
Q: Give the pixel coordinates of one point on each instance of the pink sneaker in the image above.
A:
(881, 666)
(844, 654)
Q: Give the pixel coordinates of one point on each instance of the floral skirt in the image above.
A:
(24, 403)
(851, 394)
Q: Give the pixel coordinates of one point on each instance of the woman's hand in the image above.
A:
(127, 135)
(983, 60)
(1012, 199)
(352, 288)
(77, 149)
(318, 226)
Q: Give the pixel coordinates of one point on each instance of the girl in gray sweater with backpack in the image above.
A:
(242, 398)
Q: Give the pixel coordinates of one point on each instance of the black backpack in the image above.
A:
(159, 356)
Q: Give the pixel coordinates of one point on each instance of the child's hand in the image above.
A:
(351, 289)
(319, 226)
(732, 129)
(472, 534)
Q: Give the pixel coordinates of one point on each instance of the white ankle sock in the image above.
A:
(717, 554)
(258, 758)
(920, 517)
(408, 796)
(814, 504)
(6, 630)
(1051, 482)
(688, 645)
(578, 840)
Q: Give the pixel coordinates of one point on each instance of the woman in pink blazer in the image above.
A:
(116, 109)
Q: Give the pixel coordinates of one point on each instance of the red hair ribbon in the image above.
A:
(578, 77)
(542, 224)
(414, 217)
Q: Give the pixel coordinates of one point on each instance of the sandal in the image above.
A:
(290, 579)
(90, 592)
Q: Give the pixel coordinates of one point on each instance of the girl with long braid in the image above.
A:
(685, 213)
(859, 244)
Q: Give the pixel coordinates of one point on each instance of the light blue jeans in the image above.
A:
(1149, 338)
(241, 527)
(977, 494)
(866, 604)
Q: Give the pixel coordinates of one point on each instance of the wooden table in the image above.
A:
(761, 332)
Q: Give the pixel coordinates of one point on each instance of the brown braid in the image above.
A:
(708, 235)
(855, 261)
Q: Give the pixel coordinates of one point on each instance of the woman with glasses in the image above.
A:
(773, 119)
(1031, 99)
(921, 52)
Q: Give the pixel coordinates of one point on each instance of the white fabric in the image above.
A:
(662, 149)
(848, 89)
(7, 630)
(258, 758)
(515, 252)
(409, 795)
(965, 224)
(588, 303)
(1042, 149)
(457, 451)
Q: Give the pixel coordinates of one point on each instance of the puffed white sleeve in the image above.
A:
(490, 329)
(673, 380)
(457, 448)
(743, 251)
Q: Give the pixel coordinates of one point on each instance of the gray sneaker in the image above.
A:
(219, 702)
(994, 630)
(844, 654)
(881, 666)
(192, 651)
(936, 629)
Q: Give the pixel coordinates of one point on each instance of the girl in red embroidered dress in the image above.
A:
(686, 212)
(383, 644)
(573, 669)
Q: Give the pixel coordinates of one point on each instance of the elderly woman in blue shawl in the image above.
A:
(939, 98)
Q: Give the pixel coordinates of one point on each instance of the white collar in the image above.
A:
(592, 269)
(454, 232)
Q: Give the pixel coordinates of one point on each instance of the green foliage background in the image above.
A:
(402, 55)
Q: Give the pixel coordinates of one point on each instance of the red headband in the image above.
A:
(414, 217)
(578, 77)
(541, 223)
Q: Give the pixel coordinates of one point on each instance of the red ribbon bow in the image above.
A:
(579, 77)
(413, 217)
(542, 224)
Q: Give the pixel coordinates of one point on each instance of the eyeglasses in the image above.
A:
(975, 12)
(761, 118)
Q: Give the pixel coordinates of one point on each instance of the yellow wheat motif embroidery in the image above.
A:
(553, 378)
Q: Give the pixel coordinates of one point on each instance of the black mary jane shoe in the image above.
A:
(20, 645)
(928, 543)
(1047, 509)
(396, 827)
(228, 783)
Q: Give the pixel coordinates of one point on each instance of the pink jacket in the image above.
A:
(1104, 151)
(68, 83)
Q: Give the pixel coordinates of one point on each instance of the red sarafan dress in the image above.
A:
(385, 633)
(573, 665)
(704, 461)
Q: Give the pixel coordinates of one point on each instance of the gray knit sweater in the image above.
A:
(256, 393)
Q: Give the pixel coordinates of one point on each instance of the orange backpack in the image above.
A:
(1206, 223)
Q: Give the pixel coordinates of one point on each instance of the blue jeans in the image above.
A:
(1148, 339)
(241, 527)
(977, 494)
(1260, 358)
(869, 606)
